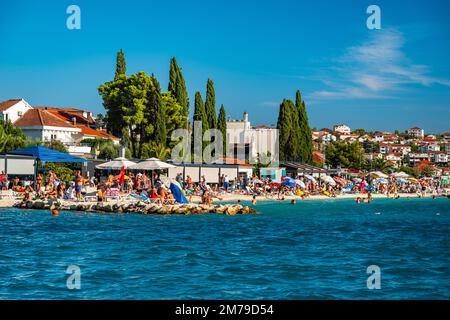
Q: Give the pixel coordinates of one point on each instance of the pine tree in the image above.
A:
(121, 66)
(222, 126)
(305, 138)
(177, 86)
(210, 105)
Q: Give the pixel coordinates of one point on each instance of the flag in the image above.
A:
(121, 176)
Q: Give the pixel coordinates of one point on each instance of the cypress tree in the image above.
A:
(286, 127)
(199, 111)
(222, 126)
(160, 132)
(121, 66)
(305, 138)
(177, 86)
(210, 105)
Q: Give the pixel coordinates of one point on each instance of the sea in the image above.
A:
(330, 249)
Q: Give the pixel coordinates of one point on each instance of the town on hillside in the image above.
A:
(75, 128)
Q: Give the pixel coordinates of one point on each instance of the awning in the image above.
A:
(116, 164)
(47, 155)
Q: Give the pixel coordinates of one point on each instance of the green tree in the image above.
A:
(177, 86)
(62, 171)
(359, 132)
(121, 66)
(55, 145)
(288, 131)
(11, 138)
(199, 112)
(222, 126)
(345, 155)
(304, 141)
(160, 132)
(414, 147)
(174, 115)
(371, 146)
(115, 101)
(210, 105)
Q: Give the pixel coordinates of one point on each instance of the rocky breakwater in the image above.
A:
(136, 207)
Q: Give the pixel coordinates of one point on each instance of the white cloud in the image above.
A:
(375, 69)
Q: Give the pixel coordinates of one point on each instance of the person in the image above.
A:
(27, 196)
(78, 184)
(226, 182)
(369, 196)
(38, 183)
(358, 200)
(189, 182)
(254, 200)
(206, 198)
(100, 194)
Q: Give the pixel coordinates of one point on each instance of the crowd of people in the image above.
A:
(143, 186)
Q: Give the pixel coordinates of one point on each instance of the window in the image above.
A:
(53, 136)
(6, 117)
(19, 113)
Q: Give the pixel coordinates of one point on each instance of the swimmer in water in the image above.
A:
(254, 200)
(358, 200)
(293, 201)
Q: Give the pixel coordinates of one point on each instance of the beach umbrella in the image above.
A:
(116, 164)
(378, 174)
(151, 164)
(300, 183)
(401, 180)
(328, 179)
(341, 181)
(311, 178)
(382, 180)
(413, 180)
(401, 174)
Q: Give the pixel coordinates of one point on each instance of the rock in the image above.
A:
(38, 205)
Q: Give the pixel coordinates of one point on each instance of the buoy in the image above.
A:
(55, 212)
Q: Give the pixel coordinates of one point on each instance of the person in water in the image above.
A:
(254, 200)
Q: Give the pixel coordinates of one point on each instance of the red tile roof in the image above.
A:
(40, 117)
(67, 114)
(85, 130)
(5, 105)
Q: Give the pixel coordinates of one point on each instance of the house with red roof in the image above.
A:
(416, 132)
(68, 125)
(13, 109)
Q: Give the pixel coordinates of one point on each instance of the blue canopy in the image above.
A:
(47, 155)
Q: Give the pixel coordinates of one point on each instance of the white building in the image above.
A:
(68, 125)
(39, 124)
(342, 129)
(13, 109)
(416, 132)
(245, 142)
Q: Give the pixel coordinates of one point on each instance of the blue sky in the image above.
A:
(257, 53)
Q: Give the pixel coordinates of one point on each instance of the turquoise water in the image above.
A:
(311, 250)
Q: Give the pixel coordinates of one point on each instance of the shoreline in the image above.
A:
(230, 198)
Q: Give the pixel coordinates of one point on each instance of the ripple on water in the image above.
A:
(313, 250)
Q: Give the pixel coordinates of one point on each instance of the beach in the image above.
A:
(234, 197)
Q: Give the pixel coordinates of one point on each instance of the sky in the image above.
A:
(257, 52)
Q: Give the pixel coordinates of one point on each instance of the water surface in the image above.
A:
(311, 250)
